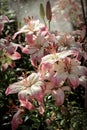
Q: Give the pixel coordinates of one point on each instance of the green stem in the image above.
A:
(83, 10)
(49, 24)
(85, 20)
(44, 21)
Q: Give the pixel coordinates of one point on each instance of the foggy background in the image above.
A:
(24, 8)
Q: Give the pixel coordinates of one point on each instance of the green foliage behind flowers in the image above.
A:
(68, 117)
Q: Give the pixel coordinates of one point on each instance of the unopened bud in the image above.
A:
(48, 11)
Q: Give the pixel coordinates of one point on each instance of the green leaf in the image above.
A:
(74, 124)
(1, 95)
(62, 122)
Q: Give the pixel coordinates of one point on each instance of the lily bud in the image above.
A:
(48, 11)
(42, 12)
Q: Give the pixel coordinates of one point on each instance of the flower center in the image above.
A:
(67, 66)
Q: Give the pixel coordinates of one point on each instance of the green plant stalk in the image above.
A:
(49, 24)
(85, 20)
(44, 21)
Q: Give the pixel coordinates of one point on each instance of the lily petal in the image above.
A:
(74, 81)
(14, 56)
(17, 119)
(59, 96)
(15, 87)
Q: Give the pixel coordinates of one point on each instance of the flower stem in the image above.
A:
(85, 18)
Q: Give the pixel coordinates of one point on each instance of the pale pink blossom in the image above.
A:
(59, 96)
(69, 70)
(30, 38)
(36, 48)
(32, 26)
(48, 121)
(52, 58)
(83, 81)
(8, 63)
(70, 10)
(24, 102)
(46, 68)
(67, 41)
(3, 19)
(60, 68)
(44, 31)
(41, 108)
(57, 91)
(14, 56)
(9, 53)
(10, 49)
(1, 27)
(28, 89)
(17, 119)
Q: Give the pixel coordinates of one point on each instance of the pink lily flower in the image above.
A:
(17, 119)
(46, 68)
(70, 10)
(59, 67)
(10, 49)
(32, 26)
(57, 91)
(52, 58)
(3, 19)
(28, 89)
(59, 96)
(70, 70)
(36, 49)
